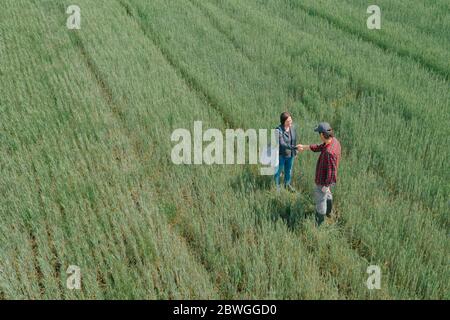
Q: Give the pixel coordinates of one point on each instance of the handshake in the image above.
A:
(301, 147)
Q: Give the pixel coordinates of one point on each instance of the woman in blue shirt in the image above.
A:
(287, 150)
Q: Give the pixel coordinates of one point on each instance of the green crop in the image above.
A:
(87, 177)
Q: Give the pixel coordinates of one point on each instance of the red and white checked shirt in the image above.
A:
(328, 162)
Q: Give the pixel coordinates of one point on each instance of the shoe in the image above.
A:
(319, 219)
(290, 188)
(329, 207)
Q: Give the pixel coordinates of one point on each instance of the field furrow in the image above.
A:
(89, 180)
(345, 17)
(367, 99)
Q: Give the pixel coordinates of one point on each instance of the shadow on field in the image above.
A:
(290, 209)
(252, 180)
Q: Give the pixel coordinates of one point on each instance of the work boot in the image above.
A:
(329, 207)
(319, 219)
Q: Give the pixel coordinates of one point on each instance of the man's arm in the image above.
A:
(312, 147)
(331, 169)
(316, 147)
(301, 147)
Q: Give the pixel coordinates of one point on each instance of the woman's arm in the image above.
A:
(283, 143)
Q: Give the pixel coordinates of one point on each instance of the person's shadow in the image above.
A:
(291, 208)
(251, 180)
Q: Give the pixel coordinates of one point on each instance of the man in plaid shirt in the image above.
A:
(326, 169)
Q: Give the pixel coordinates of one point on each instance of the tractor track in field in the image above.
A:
(356, 85)
(295, 93)
(32, 237)
(214, 23)
(104, 88)
(356, 95)
(203, 96)
(383, 45)
(356, 249)
(200, 89)
(357, 90)
(55, 262)
(298, 95)
(118, 114)
(191, 82)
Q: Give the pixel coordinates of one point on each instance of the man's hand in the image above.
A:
(325, 189)
(303, 147)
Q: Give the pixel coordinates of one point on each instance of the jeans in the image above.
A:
(285, 163)
(321, 199)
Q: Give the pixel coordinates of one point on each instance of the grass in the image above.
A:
(87, 176)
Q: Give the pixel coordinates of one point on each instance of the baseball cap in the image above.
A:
(323, 127)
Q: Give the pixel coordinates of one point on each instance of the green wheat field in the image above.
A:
(86, 118)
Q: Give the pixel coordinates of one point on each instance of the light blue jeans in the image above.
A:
(321, 199)
(285, 164)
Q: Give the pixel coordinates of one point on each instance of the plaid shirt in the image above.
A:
(328, 162)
